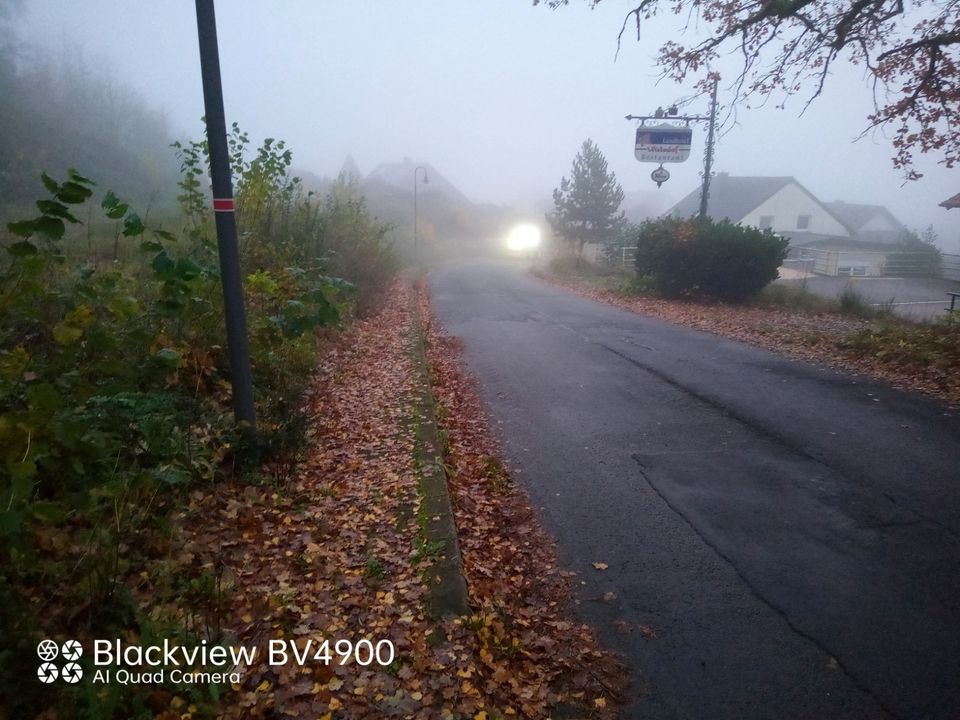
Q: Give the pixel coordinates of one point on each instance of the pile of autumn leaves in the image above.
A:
(333, 553)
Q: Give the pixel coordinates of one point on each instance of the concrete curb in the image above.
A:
(448, 588)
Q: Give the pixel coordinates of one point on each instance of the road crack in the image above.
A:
(848, 673)
(776, 438)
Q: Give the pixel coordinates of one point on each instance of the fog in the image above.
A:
(496, 95)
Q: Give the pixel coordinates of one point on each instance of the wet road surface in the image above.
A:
(783, 541)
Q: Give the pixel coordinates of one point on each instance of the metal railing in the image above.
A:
(950, 267)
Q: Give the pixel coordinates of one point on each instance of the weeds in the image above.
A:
(495, 473)
(794, 297)
(918, 345)
(852, 303)
(115, 399)
(374, 569)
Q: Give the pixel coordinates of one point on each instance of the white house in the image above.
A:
(779, 203)
(839, 238)
(868, 223)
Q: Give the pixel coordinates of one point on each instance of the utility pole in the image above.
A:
(671, 114)
(235, 315)
(708, 152)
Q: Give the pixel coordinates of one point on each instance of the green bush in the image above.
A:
(705, 259)
(115, 394)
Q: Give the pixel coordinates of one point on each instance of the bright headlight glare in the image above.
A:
(523, 237)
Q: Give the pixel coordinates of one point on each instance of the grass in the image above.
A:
(797, 298)
(912, 345)
(374, 568)
(593, 276)
(794, 297)
(495, 473)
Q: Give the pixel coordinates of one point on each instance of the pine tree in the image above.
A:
(588, 204)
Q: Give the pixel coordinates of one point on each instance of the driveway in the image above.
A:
(782, 541)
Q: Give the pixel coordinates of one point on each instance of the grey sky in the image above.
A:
(498, 95)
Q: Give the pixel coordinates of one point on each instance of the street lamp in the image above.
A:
(416, 256)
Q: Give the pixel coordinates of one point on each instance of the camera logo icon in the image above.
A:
(70, 651)
(72, 672)
(48, 650)
(47, 673)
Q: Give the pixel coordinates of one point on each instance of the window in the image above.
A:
(852, 270)
(766, 222)
(803, 222)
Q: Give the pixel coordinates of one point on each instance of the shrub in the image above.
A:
(702, 258)
(115, 403)
(921, 255)
(568, 265)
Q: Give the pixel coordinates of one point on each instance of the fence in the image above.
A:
(865, 263)
(950, 268)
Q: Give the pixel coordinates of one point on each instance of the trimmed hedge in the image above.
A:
(706, 259)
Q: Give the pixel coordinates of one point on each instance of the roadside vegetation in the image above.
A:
(587, 204)
(696, 258)
(134, 507)
(115, 400)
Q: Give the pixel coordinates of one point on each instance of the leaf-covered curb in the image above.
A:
(538, 657)
(335, 552)
(448, 589)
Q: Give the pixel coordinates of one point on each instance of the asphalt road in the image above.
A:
(783, 541)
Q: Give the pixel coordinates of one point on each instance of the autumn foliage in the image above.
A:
(910, 54)
(115, 403)
(338, 551)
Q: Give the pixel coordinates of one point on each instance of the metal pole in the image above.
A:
(708, 153)
(235, 315)
(416, 254)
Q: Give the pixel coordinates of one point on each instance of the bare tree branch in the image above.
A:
(790, 46)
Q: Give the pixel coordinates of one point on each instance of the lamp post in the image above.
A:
(416, 255)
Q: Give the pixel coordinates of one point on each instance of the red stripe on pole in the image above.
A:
(223, 205)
